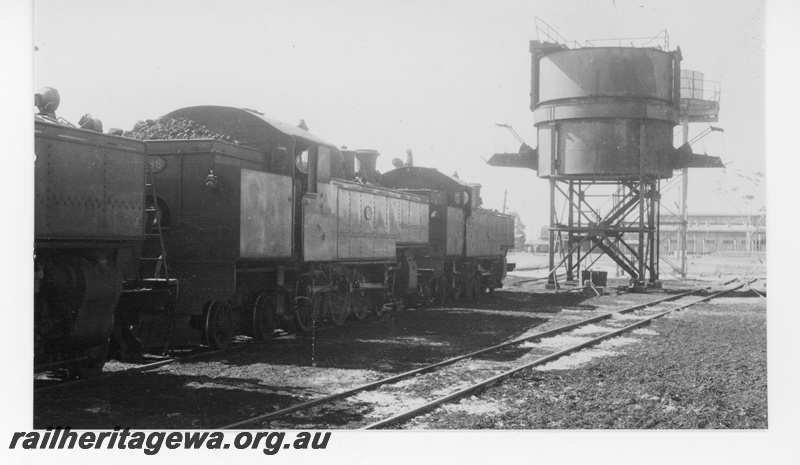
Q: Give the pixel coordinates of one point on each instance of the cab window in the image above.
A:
(301, 161)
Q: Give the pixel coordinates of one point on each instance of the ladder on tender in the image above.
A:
(161, 266)
(161, 261)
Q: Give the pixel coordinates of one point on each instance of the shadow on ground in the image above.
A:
(255, 378)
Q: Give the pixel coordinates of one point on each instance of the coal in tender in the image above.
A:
(166, 128)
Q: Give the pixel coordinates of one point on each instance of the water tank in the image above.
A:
(604, 113)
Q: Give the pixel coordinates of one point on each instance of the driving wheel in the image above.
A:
(304, 315)
(376, 303)
(359, 304)
(340, 308)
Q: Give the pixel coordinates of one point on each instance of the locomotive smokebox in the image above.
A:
(605, 112)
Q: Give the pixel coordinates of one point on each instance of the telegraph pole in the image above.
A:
(684, 202)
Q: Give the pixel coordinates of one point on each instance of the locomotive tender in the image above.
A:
(89, 212)
(278, 228)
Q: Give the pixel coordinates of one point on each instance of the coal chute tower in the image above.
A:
(604, 113)
(604, 119)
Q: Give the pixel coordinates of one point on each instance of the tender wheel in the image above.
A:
(92, 365)
(340, 308)
(265, 316)
(218, 324)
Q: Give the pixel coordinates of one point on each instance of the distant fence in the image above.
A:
(742, 254)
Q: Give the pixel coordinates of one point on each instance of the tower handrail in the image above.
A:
(711, 90)
(663, 36)
(549, 33)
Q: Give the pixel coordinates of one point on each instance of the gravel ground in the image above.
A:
(700, 368)
(208, 392)
(642, 380)
(700, 267)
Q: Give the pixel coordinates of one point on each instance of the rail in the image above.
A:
(414, 412)
(375, 384)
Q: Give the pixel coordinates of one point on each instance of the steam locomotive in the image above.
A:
(276, 229)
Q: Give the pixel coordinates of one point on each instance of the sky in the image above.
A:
(435, 77)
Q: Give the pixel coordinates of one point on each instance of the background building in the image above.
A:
(710, 233)
(707, 233)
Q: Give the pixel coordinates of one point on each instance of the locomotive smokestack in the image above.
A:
(409, 158)
(366, 169)
(367, 159)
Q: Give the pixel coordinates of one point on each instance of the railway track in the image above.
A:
(61, 382)
(478, 386)
(498, 372)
